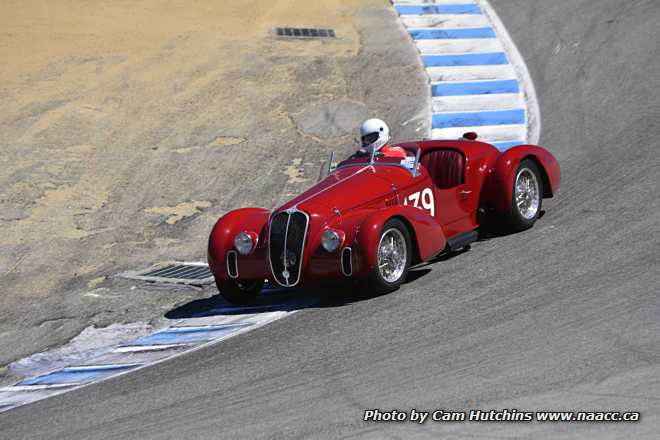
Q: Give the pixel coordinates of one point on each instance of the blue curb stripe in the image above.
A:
(480, 118)
(505, 145)
(437, 9)
(476, 88)
(187, 335)
(76, 375)
(472, 59)
(445, 34)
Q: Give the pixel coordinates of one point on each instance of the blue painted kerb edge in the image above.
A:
(437, 9)
(76, 375)
(187, 335)
(479, 118)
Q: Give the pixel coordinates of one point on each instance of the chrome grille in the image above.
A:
(288, 230)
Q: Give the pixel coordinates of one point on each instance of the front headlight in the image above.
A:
(243, 243)
(330, 240)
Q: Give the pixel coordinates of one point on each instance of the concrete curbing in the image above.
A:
(479, 81)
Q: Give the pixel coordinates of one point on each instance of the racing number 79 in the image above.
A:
(425, 197)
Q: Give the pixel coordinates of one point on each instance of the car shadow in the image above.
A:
(416, 273)
(494, 228)
(274, 299)
(271, 299)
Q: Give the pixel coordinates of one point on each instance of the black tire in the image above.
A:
(375, 282)
(240, 292)
(515, 217)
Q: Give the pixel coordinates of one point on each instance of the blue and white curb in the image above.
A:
(479, 81)
(202, 329)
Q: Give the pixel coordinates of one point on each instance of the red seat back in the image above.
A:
(445, 167)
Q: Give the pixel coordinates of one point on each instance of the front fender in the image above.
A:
(498, 190)
(426, 233)
(224, 231)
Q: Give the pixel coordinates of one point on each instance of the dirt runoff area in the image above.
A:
(127, 128)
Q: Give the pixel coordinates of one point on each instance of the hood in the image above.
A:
(345, 189)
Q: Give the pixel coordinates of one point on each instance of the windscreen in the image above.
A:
(381, 159)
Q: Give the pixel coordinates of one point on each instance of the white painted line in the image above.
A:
(486, 133)
(533, 111)
(444, 21)
(477, 102)
(103, 367)
(233, 310)
(140, 348)
(10, 399)
(30, 388)
(467, 45)
(334, 184)
(215, 317)
(471, 73)
(197, 328)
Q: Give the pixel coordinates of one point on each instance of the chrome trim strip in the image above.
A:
(270, 260)
(286, 236)
(302, 249)
(364, 167)
(350, 261)
(235, 259)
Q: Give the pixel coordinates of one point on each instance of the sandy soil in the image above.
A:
(127, 128)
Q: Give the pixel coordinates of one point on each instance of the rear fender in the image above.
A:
(223, 233)
(426, 233)
(498, 188)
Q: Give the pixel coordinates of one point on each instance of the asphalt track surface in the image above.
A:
(563, 316)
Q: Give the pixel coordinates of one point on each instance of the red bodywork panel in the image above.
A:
(222, 236)
(427, 233)
(439, 201)
(501, 185)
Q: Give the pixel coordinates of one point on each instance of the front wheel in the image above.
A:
(527, 197)
(240, 292)
(393, 257)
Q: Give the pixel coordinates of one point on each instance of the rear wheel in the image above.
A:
(526, 197)
(393, 257)
(240, 292)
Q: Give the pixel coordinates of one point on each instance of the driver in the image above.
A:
(375, 135)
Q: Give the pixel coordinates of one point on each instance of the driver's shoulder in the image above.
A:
(394, 151)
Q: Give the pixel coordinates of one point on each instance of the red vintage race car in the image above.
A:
(373, 217)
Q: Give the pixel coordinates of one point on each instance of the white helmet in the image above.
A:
(374, 134)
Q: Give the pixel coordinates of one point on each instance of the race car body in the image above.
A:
(373, 217)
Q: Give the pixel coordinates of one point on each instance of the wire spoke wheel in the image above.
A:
(392, 255)
(527, 195)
